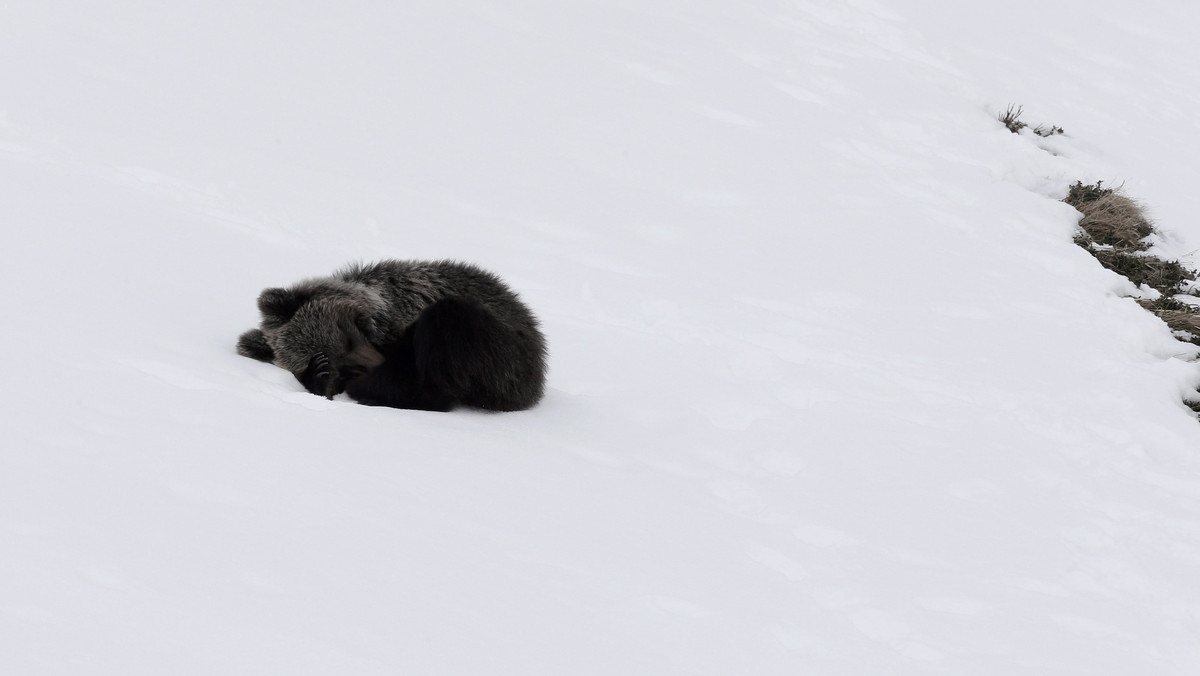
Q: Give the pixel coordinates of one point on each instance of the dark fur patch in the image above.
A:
(456, 353)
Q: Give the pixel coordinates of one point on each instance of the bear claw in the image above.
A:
(320, 377)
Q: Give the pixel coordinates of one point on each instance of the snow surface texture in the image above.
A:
(832, 390)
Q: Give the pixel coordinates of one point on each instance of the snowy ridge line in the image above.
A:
(1115, 229)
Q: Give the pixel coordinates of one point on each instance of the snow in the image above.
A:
(832, 391)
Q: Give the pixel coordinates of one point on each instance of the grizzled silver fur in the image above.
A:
(352, 316)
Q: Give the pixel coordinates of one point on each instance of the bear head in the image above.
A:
(345, 321)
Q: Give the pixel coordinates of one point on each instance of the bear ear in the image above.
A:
(278, 305)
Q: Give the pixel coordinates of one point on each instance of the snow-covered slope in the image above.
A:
(832, 391)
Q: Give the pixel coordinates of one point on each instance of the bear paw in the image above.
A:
(321, 377)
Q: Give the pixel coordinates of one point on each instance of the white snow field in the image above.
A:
(831, 392)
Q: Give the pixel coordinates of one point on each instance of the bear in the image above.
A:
(426, 335)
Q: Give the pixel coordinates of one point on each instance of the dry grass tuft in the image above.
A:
(1011, 118)
(1114, 229)
(1117, 221)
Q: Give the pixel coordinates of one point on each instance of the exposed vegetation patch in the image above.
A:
(1109, 217)
(1193, 404)
(1115, 230)
(1079, 193)
(1164, 276)
(1182, 318)
(1011, 118)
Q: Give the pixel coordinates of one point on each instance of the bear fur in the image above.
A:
(427, 335)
